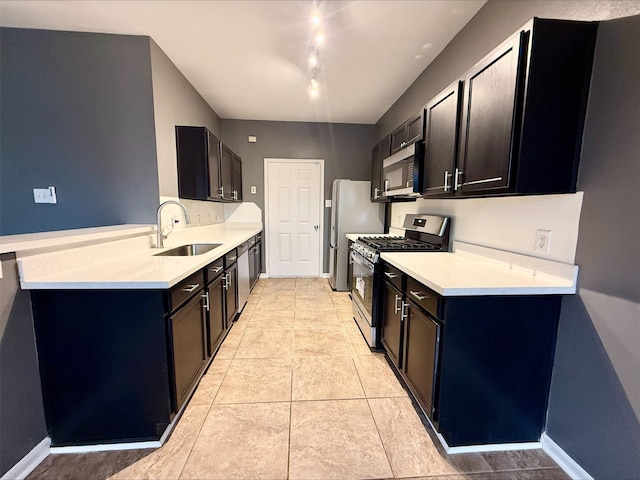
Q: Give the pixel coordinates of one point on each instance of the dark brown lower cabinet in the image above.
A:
(217, 325)
(187, 331)
(392, 332)
(421, 339)
(478, 366)
(231, 292)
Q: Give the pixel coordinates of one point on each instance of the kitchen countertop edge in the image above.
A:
(474, 277)
(178, 268)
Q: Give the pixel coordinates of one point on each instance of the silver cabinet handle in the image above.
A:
(191, 288)
(447, 176)
(418, 295)
(216, 269)
(456, 180)
(226, 281)
(235, 194)
(397, 308)
(233, 259)
(391, 275)
(386, 186)
(221, 192)
(206, 301)
(375, 193)
(403, 314)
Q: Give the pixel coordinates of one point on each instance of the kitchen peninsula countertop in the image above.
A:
(474, 271)
(130, 263)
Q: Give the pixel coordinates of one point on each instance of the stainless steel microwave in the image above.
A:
(401, 172)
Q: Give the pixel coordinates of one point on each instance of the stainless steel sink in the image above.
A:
(189, 250)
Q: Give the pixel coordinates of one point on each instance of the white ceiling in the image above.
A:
(249, 59)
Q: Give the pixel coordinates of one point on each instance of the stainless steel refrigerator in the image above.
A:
(351, 212)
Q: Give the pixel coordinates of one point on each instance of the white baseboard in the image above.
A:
(105, 447)
(492, 447)
(564, 461)
(29, 462)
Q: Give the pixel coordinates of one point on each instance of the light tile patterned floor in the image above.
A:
(295, 393)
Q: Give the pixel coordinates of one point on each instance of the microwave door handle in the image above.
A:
(386, 185)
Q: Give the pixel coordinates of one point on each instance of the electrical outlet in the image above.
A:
(543, 241)
(253, 189)
(45, 195)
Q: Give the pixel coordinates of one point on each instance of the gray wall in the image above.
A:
(77, 113)
(175, 102)
(594, 410)
(22, 424)
(486, 30)
(345, 148)
(595, 394)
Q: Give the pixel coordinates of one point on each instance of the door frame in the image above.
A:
(267, 162)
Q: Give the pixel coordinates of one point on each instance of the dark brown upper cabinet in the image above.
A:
(409, 132)
(442, 125)
(207, 169)
(522, 115)
(226, 173)
(381, 151)
(198, 153)
(236, 191)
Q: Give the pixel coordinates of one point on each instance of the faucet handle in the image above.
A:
(166, 233)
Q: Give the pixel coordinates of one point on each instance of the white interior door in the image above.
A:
(293, 217)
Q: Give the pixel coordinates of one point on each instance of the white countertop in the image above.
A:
(33, 241)
(475, 270)
(130, 263)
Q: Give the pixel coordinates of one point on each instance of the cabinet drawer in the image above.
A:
(185, 289)
(423, 296)
(392, 275)
(214, 269)
(230, 258)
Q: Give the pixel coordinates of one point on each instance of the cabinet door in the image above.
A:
(188, 347)
(381, 151)
(252, 266)
(191, 152)
(421, 339)
(392, 333)
(415, 128)
(231, 293)
(216, 318)
(226, 173)
(213, 147)
(441, 140)
(255, 263)
(398, 138)
(237, 179)
(490, 119)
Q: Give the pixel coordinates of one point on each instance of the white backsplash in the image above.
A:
(201, 213)
(242, 212)
(506, 223)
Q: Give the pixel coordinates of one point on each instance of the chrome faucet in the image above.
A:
(160, 236)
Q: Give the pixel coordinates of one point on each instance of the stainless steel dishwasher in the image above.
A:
(243, 275)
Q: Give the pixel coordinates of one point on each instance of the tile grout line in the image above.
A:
(206, 415)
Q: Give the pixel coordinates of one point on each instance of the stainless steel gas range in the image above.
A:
(425, 233)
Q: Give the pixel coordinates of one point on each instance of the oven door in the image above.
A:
(362, 284)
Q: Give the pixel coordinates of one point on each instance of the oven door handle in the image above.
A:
(361, 261)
